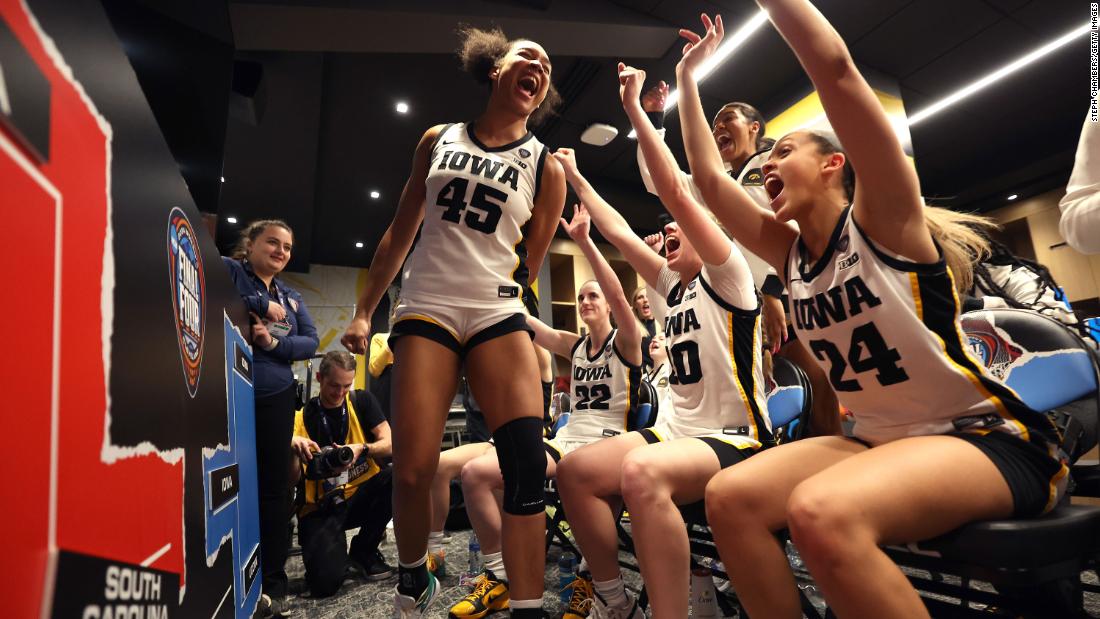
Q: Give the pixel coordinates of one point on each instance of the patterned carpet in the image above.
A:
(358, 599)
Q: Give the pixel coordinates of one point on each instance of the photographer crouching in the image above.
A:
(339, 437)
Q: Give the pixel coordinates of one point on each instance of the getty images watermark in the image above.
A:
(1094, 43)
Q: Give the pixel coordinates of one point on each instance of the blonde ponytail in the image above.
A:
(963, 239)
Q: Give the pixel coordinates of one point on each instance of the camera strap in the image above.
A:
(327, 436)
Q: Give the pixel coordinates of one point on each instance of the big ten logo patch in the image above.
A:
(229, 480)
(188, 295)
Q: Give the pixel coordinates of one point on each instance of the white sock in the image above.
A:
(612, 592)
(417, 563)
(525, 603)
(494, 562)
(435, 541)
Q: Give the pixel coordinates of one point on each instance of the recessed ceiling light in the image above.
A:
(231, 220)
(374, 194)
(994, 77)
(359, 244)
(223, 179)
(402, 107)
(1013, 197)
(736, 40)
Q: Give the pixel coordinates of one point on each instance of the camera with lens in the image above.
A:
(330, 460)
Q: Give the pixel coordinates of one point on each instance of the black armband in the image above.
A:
(772, 286)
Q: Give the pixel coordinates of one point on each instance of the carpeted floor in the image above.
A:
(358, 599)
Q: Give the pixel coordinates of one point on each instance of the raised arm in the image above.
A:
(755, 227)
(549, 203)
(394, 245)
(559, 342)
(610, 223)
(673, 189)
(889, 205)
(629, 331)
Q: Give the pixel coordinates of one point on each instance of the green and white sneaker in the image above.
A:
(405, 607)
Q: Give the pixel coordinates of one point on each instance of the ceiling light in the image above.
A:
(1013, 197)
(374, 194)
(402, 107)
(231, 220)
(359, 244)
(724, 51)
(995, 76)
(223, 179)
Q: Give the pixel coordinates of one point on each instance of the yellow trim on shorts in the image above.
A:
(657, 434)
(550, 443)
(1052, 497)
(431, 320)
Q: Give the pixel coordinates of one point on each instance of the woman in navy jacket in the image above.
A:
(282, 332)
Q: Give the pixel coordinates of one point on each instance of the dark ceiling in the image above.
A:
(325, 132)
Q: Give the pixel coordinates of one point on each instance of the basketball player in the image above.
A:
(738, 131)
(712, 330)
(939, 442)
(489, 200)
(604, 380)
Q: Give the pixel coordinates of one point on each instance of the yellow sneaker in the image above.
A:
(437, 564)
(489, 594)
(580, 603)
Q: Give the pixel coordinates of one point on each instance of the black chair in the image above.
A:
(1035, 565)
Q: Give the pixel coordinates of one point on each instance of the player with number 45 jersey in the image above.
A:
(485, 200)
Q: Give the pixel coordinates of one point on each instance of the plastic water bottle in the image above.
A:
(793, 557)
(474, 557)
(566, 575)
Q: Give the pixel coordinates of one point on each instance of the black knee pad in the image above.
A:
(522, 465)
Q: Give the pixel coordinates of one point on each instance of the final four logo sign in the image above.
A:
(188, 295)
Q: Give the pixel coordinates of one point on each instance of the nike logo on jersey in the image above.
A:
(835, 305)
(681, 322)
(491, 169)
(599, 372)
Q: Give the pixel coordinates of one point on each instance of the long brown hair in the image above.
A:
(253, 231)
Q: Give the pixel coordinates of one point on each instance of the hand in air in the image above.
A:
(568, 160)
(578, 228)
(654, 99)
(355, 338)
(630, 83)
(699, 48)
(655, 242)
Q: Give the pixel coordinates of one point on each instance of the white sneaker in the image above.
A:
(406, 607)
(629, 610)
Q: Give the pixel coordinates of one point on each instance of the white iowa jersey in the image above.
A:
(886, 332)
(478, 200)
(714, 350)
(604, 391)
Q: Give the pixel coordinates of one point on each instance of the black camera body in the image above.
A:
(326, 463)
